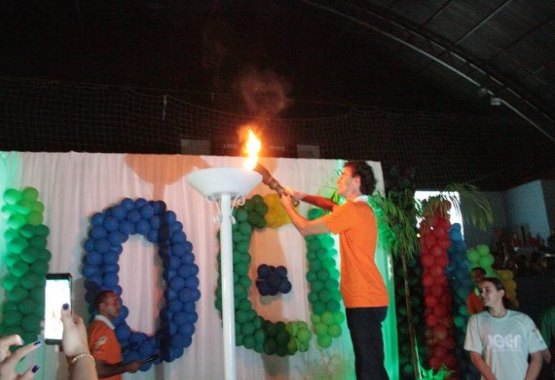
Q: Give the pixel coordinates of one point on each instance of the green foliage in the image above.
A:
(429, 374)
(477, 207)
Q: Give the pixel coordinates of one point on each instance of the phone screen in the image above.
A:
(57, 293)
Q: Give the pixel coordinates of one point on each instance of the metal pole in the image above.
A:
(228, 300)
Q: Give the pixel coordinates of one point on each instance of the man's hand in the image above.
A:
(133, 366)
(286, 201)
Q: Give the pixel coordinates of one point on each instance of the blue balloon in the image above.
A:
(133, 216)
(90, 270)
(119, 212)
(128, 204)
(146, 211)
(98, 218)
(140, 202)
(93, 258)
(110, 280)
(102, 245)
(177, 283)
(155, 222)
(98, 232)
(142, 227)
(152, 236)
(180, 318)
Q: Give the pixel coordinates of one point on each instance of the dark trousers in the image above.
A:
(365, 326)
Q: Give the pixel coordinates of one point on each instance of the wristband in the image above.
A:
(79, 356)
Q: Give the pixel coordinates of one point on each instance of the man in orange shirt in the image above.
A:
(362, 286)
(103, 343)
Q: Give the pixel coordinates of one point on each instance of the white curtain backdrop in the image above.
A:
(73, 186)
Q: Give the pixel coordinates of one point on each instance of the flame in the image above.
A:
(251, 148)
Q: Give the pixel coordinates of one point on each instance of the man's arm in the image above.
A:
(106, 370)
(535, 366)
(482, 366)
(303, 225)
(316, 200)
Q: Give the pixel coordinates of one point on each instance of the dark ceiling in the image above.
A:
(492, 59)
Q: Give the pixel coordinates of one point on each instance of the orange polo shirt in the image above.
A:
(362, 285)
(103, 344)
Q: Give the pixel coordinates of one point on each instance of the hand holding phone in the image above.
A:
(57, 292)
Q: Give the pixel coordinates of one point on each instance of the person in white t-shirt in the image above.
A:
(501, 340)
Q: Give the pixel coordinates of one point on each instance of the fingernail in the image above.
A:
(65, 306)
(35, 369)
(37, 343)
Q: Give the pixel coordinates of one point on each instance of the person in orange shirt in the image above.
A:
(362, 286)
(103, 343)
(474, 302)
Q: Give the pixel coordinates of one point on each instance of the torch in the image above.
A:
(272, 183)
(251, 148)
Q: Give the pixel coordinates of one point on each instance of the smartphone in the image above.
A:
(57, 292)
(151, 358)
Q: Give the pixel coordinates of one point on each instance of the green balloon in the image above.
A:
(9, 282)
(327, 318)
(304, 335)
(17, 245)
(35, 218)
(20, 268)
(241, 269)
(44, 255)
(248, 329)
(27, 231)
(37, 242)
(30, 194)
(29, 280)
(16, 221)
(17, 294)
(260, 335)
(323, 274)
(31, 323)
(320, 329)
(271, 346)
(12, 318)
(334, 330)
(338, 317)
(42, 230)
(27, 306)
(39, 267)
(12, 196)
(29, 255)
(10, 259)
(324, 341)
(318, 307)
(292, 346)
(10, 234)
(472, 255)
(37, 294)
(23, 207)
(38, 207)
(324, 295)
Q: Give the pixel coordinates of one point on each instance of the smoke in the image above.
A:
(264, 93)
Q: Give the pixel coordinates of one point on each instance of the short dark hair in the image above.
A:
(478, 269)
(366, 175)
(496, 282)
(101, 297)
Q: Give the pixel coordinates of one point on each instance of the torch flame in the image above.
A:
(252, 147)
